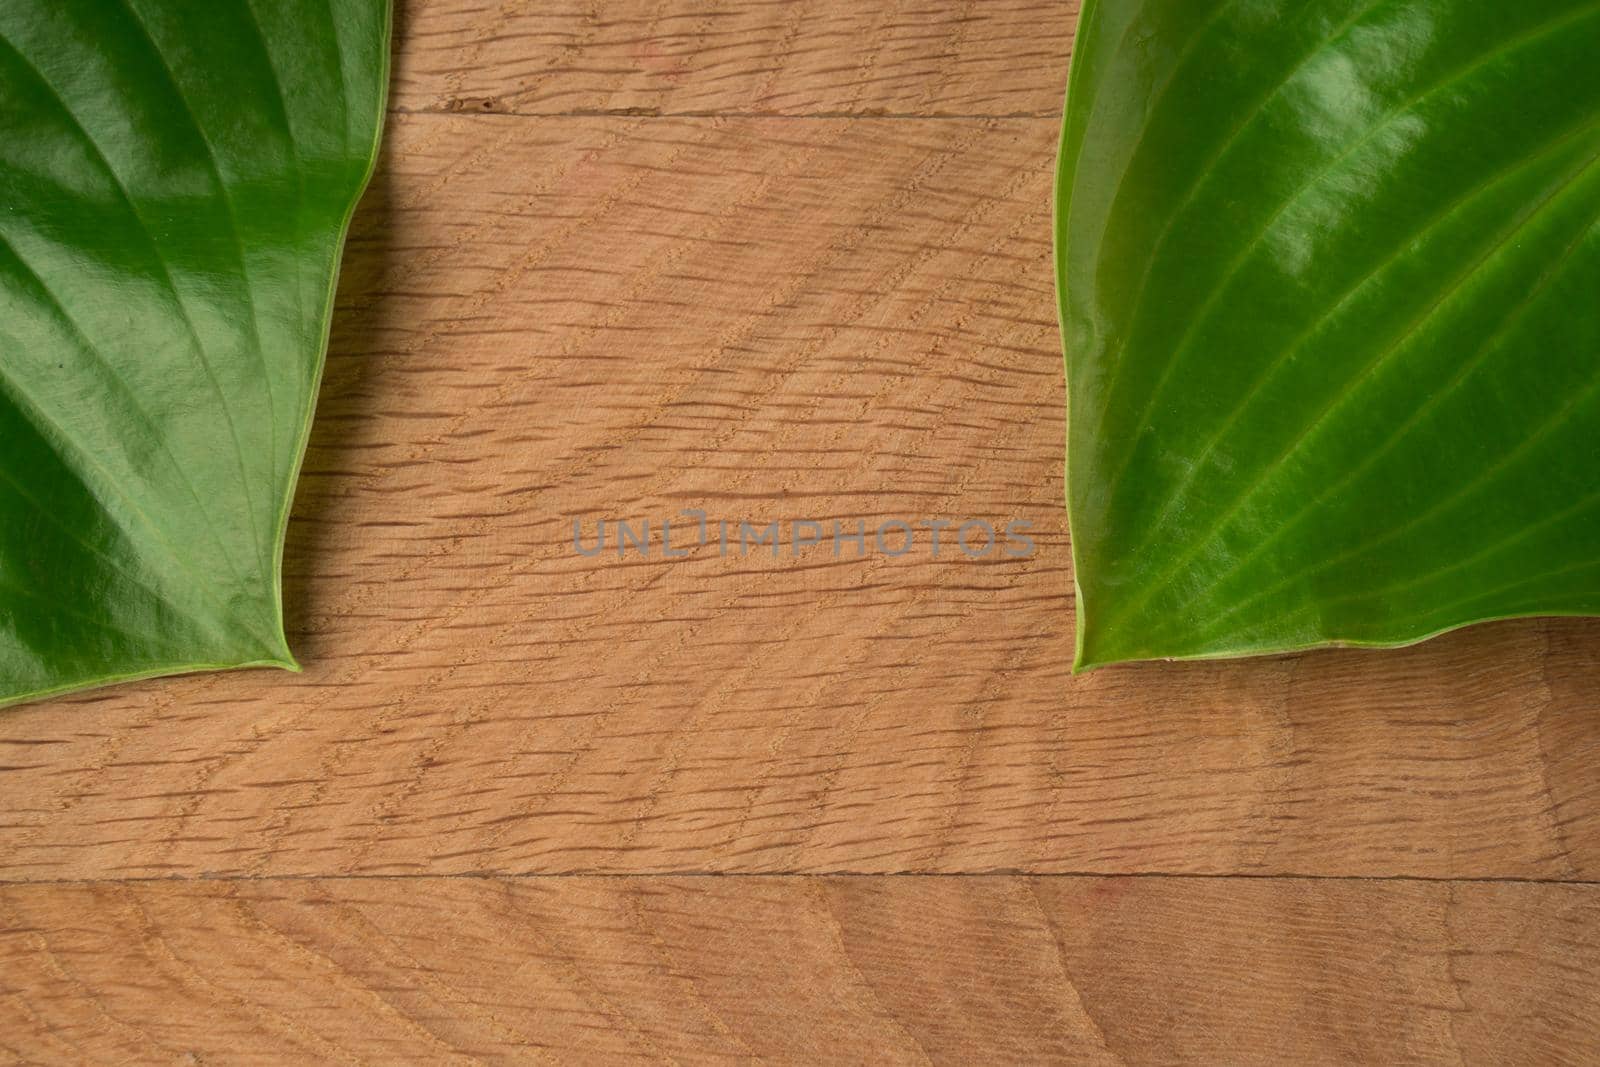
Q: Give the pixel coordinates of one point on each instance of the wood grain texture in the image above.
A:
(798, 970)
(797, 57)
(776, 261)
(769, 319)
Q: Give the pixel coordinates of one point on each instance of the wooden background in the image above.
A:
(775, 260)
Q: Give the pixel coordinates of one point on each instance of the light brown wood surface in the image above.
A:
(775, 261)
(800, 970)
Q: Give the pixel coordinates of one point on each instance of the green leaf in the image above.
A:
(1330, 285)
(176, 180)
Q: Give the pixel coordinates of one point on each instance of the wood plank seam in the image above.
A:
(733, 876)
(798, 116)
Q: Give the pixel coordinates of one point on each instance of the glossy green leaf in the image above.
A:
(176, 179)
(1330, 282)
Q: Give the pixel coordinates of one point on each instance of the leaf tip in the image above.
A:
(1094, 649)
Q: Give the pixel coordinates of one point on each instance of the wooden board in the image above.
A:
(769, 319)
(719, 57)
(775, 262)
(800, 970)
